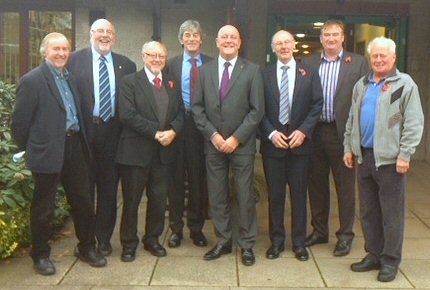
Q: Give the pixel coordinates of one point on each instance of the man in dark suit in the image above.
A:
(103, 132)
(227, 110)
(190, 162)
(293, 101)
(339, 70)
(152, 114)
(47, 124)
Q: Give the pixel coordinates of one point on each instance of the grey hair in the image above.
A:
(189, 25)
(45, 42)
(151, 45)
(384, 42)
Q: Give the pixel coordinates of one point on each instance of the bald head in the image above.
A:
(228, 42)
(283, 44)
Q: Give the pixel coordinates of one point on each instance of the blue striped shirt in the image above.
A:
(329, 74)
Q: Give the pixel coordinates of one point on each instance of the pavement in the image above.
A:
(184, 267)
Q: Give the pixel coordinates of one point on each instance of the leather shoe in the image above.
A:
(91, 257)
(314, 239)
(367, 264)
(128, 254)
(342, 248)
(301, 253)
(216, 252)
(155, 249)
(248, 258)
(273, 252)
(199, 239)
(387, 273)
(44, 266)
(175, 240)
(105, 249)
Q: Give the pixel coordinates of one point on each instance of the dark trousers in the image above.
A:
(105, 178)
(218, 166)
(294, 171)
(74, 177)
(382, 209)
(134, 179)
(189, 167)
(329, 156)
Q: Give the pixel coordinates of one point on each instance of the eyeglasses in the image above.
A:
(107, 31)
(286, 42)
(155, 55)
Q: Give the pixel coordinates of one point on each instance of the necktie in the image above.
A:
(225, 81)
(157, 82)
(284, 102)
(194, 74)
(105, 108)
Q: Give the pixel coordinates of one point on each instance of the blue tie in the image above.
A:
(284, 101)
(105, 109)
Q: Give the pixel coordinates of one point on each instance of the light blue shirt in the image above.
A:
(368, 112)
(111, 71)
(186, 78)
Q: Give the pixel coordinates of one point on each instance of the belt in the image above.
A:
(70, 133)
(98, 120)
(188, 113)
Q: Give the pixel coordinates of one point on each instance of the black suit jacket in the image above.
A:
(39, 120)
(352, 68)
(305, 109)
(81, 65)
(139, 116)
(240, 112)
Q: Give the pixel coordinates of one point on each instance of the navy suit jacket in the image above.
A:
(305, 109)
(39, 120)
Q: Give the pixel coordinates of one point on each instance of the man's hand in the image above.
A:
(348, 159)
(165, 138)
(296, 139)
(218, 141)
(280, 140)
(230, 145)
(402, 166)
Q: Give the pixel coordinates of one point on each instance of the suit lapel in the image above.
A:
(238, 68)
(146, 88)
(52, 85)
(343, 70)
(300, 74)
(87, 66)
(273, 79)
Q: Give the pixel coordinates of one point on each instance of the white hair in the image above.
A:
(384, 42)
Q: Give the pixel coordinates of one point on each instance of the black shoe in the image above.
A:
(301, 253)
(274, 252)
(174, 240)
(342, 248)
(216, 252)
(199, 239)
(128, 254)
(248, 258)
(105, 249)
(155, 249)
(44, 266)
(367, 264)
(387, 273)
(314, 239)
(91, 257)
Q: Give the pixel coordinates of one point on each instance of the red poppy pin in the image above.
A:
(348, 59)
(303, 72)
(385, 87)
(172, 84)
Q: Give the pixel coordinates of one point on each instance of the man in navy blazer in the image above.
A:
(339, 70)
(152, 115)
(286, 141)
(47, 124)
(190, 162)
(228, 108)
(103, 134)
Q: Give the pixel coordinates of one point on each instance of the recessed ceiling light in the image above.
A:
(305, 45)
(306, 52)
(300, 35)
(318, 23)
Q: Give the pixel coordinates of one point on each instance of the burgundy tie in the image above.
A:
(157, 82)
(194, 75)
(225, 81)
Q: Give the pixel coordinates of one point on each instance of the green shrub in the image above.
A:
(16, 185)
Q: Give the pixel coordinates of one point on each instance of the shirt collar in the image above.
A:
(56, 72)
(291, 64)
(187, 57)
(151, 76)
(221, 61)
(323, 57)
(96, 55)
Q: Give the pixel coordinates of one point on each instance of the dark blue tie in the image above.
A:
(105, 109)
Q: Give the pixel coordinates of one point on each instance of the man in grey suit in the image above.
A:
(228, 108)
(339, 71)
(190, 162)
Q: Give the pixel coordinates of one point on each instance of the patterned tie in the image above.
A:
(284, 102)
(157, 82)
(194, 74)
(225, 81)
(105, 109)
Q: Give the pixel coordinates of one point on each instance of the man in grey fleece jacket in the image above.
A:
(384, 127)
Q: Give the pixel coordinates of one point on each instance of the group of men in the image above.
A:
(180, 129)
